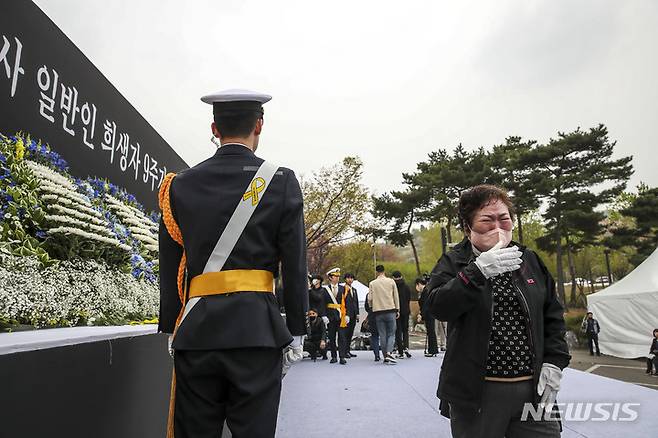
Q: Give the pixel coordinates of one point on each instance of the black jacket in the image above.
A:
(318, 331)
(654, 347)
(461, 295)
(590, 328)
(405, 296)
(349, 302)
(317, 299)
(353, 309)
(203, 199)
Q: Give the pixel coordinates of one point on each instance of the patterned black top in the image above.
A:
(510, 353)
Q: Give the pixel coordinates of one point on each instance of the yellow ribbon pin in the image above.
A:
(257, 186)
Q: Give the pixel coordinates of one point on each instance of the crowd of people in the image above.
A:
(334, 313)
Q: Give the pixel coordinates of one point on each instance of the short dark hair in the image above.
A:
(421, 280)
(316, 277)
(236, 123)
(396, 274)
(590, 313)
(477, 197)
(349, 275)
(312, 309)
(379, 268)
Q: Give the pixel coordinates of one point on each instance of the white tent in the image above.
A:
(362, 291)
(628, 311)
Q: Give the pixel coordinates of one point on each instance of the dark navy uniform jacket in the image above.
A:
(203, 199)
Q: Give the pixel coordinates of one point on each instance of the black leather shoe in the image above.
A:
(377, 359)
(333, 360)
(343, 361)
(406, 352)
(351, 355)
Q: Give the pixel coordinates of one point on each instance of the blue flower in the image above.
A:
(41, 234)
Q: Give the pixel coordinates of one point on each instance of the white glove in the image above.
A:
(549, 385)
(347, 319)
(170, 340)
(295, 351)
(325, 320)
(497, 261)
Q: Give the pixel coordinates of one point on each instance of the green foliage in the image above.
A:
(355, 257)
(573, 321)
(398, 211)
(21, 210)
(520, 181)
(640, 231)
(576, 175)
(335, 207)
(442, 179)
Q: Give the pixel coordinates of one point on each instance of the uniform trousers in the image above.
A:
(501, 414)
(240, 386)
(332, 333)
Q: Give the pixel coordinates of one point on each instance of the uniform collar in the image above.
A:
(234, 149)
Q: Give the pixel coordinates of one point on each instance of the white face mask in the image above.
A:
(486, 241)
(316, 282)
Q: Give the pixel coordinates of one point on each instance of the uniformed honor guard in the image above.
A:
(335, 315)
(227, 225)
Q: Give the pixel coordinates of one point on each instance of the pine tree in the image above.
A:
(398, 211)
(570, 169)
(510, 171)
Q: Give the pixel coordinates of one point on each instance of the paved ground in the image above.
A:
(364, 398)
(625, 370)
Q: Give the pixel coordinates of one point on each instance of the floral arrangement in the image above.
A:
(56, 230)
(72, 292)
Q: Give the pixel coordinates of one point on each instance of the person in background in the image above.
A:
(371, 319)
(591, 328)
(652, 360)
(317, 299)
(506, 344)
(352, 312)
(333, 289)
(315, 342)
(441, 334)
(402, 323)
(385, 303)
(431, 347)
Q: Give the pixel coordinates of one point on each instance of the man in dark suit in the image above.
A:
(228, 224)
(352, 312)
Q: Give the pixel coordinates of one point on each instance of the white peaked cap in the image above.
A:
(236, 95)
(333, 271)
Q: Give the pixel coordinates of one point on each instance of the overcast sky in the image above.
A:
(388, 81)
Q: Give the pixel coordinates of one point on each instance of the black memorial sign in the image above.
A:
(49, 89)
